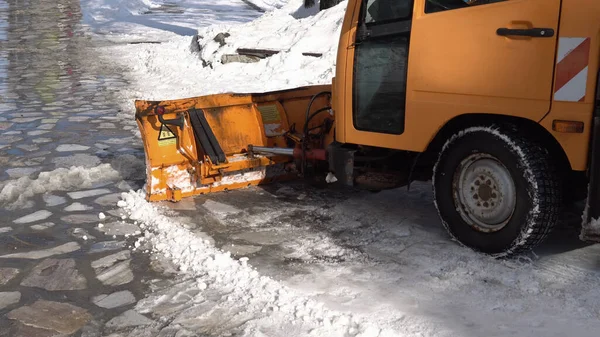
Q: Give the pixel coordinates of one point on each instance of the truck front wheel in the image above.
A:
(496, 191)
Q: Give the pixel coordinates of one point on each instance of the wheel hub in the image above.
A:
(484, 192)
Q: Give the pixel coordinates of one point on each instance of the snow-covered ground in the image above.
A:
(129, 20)
(292, 260)
(170, 70)
(327, 263)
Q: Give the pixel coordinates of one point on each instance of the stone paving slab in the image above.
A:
(106, 246)
(42, 226)
(60, 317)
(114, 300)
(7, 274)
(127, 319)
(35, 216)
(9, 298)
(53, 275)
(114, 269)
(23, 330)
(40, 254)
(117, 274)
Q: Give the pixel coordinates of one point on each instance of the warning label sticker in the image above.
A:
(269, 113)
(166, 136)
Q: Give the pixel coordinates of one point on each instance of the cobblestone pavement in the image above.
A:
(65, 268)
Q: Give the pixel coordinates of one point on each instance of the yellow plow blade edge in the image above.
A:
(201, 144)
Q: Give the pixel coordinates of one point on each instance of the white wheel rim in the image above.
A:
(484, 192)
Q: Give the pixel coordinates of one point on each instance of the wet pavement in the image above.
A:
(65, 269)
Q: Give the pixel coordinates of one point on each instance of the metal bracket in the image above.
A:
(179, 121)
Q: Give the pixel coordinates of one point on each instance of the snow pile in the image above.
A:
(179, 73)
(591, 230)
(283, 31)
(14, 193)
(267, 303)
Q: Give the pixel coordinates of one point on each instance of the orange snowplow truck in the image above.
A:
(493, 101)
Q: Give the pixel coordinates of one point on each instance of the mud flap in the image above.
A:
(590, 230)
(341, 163)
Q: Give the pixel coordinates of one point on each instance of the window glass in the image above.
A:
(379, 11)
(380, 85)
(432, 6)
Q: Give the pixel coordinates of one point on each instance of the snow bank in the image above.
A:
(15, 193)
(281, 30)
(180, 73)
(268, 304)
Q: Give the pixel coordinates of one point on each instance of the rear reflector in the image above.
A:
(567, 126)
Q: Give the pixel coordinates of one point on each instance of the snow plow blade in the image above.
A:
(225, 141)
(591, 216)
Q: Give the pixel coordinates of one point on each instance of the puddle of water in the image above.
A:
(3, 52)
(51, 77)
(25, 241)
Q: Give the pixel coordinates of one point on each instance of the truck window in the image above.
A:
(379, 11)
(433, 6)
(380, 67)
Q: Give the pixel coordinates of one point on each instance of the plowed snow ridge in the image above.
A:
(15, 193)
(267, 300)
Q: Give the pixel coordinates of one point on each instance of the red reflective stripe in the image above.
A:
(572, 64)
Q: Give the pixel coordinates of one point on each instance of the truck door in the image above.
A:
(419, 63)
(380, 66)
(493, 56)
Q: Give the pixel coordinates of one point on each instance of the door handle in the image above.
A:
(533, 32)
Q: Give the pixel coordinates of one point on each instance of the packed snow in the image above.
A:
(382, 261)
(16, 193)
(268, 302)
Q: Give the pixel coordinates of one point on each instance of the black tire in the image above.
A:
(533, 179)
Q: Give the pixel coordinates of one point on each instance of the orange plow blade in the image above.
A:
(228, 141)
